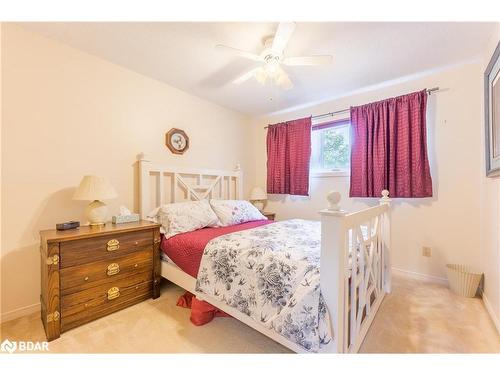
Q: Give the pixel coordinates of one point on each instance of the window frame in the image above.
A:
(345, 121)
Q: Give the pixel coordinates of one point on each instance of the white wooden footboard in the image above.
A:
(355, 268)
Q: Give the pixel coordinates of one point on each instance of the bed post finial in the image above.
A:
(143, 157)
(237, 167)
(385, 197)
(333, 197)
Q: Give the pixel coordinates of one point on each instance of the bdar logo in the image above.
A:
(24, 346)
(8, 346)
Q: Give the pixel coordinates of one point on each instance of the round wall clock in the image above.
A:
(177, 141)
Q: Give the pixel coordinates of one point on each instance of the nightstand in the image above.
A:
(90, 272)
(269, 215)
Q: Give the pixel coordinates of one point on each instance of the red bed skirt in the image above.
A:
(201, 312)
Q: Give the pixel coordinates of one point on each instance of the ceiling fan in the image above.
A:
(272, 58)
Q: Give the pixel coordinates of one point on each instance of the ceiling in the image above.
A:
(183, 55)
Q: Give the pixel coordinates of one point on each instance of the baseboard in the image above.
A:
(421, 276)
(17, 313)
(492, 314)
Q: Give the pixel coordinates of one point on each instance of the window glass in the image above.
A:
(330, 147)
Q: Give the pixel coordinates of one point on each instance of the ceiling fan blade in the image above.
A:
(238, 52)
(246, 76)
(308, 60)
(283, 34)
(283, 81)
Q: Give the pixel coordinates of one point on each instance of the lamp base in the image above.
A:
(96, 213)
(259, 205)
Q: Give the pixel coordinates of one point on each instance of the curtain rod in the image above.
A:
(429, 91)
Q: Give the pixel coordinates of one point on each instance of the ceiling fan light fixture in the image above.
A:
(272, 57)
(282, 80)
(261, 76)
(272, 66)
(279, 79)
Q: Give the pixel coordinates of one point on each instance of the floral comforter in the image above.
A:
(272, 274)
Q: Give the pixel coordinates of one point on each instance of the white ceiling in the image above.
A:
(183, 55)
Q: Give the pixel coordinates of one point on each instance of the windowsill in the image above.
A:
(330, 174)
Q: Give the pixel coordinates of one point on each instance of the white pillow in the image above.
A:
(231, 212)
(176, 218)
(158, 217)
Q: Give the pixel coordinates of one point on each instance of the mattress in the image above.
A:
(186, 249)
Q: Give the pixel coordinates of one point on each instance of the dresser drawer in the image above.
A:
(74, 316)
(103, 295)
(89, 275)
(90, 250)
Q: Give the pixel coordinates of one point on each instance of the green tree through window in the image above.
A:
(335, 149)
(331, 148)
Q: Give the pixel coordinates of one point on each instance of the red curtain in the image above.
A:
(288, 155)
(389, 148)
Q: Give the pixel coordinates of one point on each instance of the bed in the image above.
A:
(354, 248)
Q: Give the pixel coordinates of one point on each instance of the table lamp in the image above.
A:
(258, 197)
(95, 189)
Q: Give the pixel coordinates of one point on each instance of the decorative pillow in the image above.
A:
(231, 212)
(176, 218)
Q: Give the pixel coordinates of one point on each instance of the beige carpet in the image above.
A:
(418, 317)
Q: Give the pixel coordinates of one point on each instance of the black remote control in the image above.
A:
(68, 225)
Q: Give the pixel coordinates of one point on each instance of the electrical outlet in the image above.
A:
(426, 251)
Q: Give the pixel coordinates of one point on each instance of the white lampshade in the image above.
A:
(257, 194)
(94, 188)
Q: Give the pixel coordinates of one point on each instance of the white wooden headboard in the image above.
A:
(160, 184)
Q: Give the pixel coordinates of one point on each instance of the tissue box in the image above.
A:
(120, 219)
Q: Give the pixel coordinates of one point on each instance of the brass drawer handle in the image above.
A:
(54, 317)
(113, 269)
(86, 278)
(113, 293)
(113, 245)
(136, 243)
(53, 260)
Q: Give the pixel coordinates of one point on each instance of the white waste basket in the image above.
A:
(463, 281)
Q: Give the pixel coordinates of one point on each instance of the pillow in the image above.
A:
(231, 212)
(158, 217)
(176, 218)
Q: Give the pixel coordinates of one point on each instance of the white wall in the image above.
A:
(66, 114)
(490, 221)
(448, 222)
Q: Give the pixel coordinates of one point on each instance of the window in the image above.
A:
(330, 148)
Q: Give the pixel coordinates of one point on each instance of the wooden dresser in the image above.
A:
(90, 272)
